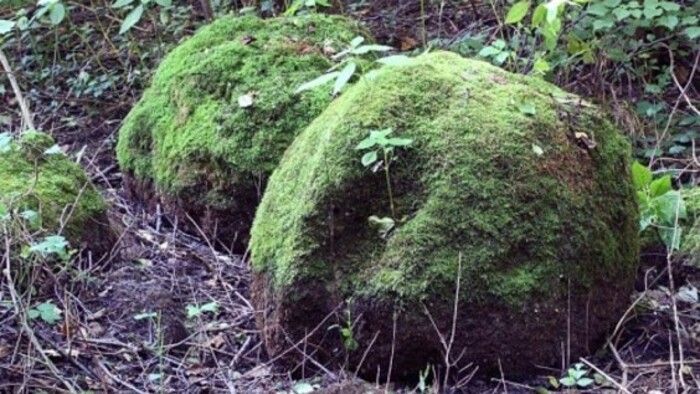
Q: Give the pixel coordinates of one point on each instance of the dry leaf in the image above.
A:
(408, 43)
(216, 342)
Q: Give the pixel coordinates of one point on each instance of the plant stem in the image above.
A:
(388, 183)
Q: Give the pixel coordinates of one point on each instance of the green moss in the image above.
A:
(53, 186)
(188, 134)
(524, 226)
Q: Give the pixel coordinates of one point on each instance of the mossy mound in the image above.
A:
(542, 221)
(220, 112)
(50, 184)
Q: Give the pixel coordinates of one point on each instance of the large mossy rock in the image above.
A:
(34, 178)
(542, 220)
(220, 112)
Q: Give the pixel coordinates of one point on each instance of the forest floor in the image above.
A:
(108, 342)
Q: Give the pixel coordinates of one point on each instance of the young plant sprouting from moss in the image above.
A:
(346, 59)
(379, 143)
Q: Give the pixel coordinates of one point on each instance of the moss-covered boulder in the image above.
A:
(36, 177)
(220, 112)
(517, 189)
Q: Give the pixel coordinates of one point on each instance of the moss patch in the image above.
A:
(530, 213)
(57, 189)
(189, 138)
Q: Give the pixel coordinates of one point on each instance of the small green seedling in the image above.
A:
(194, 311)
(47, 311)
(381, 152)
(659, 205)
(51, 245)
(576, 377)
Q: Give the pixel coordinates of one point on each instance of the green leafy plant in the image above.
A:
(137, 8)
(47, 311)
(52, 245)
(576, 377)
(381, 152)
(305, 5)
(346, 331)
(348, 64)
(194, 311)
(660, 206)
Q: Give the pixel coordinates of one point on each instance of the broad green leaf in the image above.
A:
(538, 15)
(383, 225)
(671, 237)
(621, 13)
(671, 207)
(369, 158)
(380, 134)
(396, 61)
(612, 3)
(122, 3)
(597, 9)
(669, 6)
(6, 26)
(660, 186)
(322, 80)
(605, 23)
(366, 144)
(641, 175)
(489, 51)
(400, 141)
(370, 48)
(58, 12)
(210, 307)
(131, 19)
(540, 66)
(517, 12)
(344, 77)
(356, 41)
(568, 381)
(164, 3)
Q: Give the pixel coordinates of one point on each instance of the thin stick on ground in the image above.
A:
(24, 108)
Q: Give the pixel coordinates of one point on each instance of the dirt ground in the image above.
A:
(109, 341)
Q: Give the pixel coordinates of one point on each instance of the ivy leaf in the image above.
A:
(322, 80)
(597, 9)
(517, 12)
(344, 77)
(669, 21)
(131, 19)
(692, 32)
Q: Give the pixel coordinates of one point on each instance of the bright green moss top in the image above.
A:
(53, 186)
(514, 196)
(190, 135)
